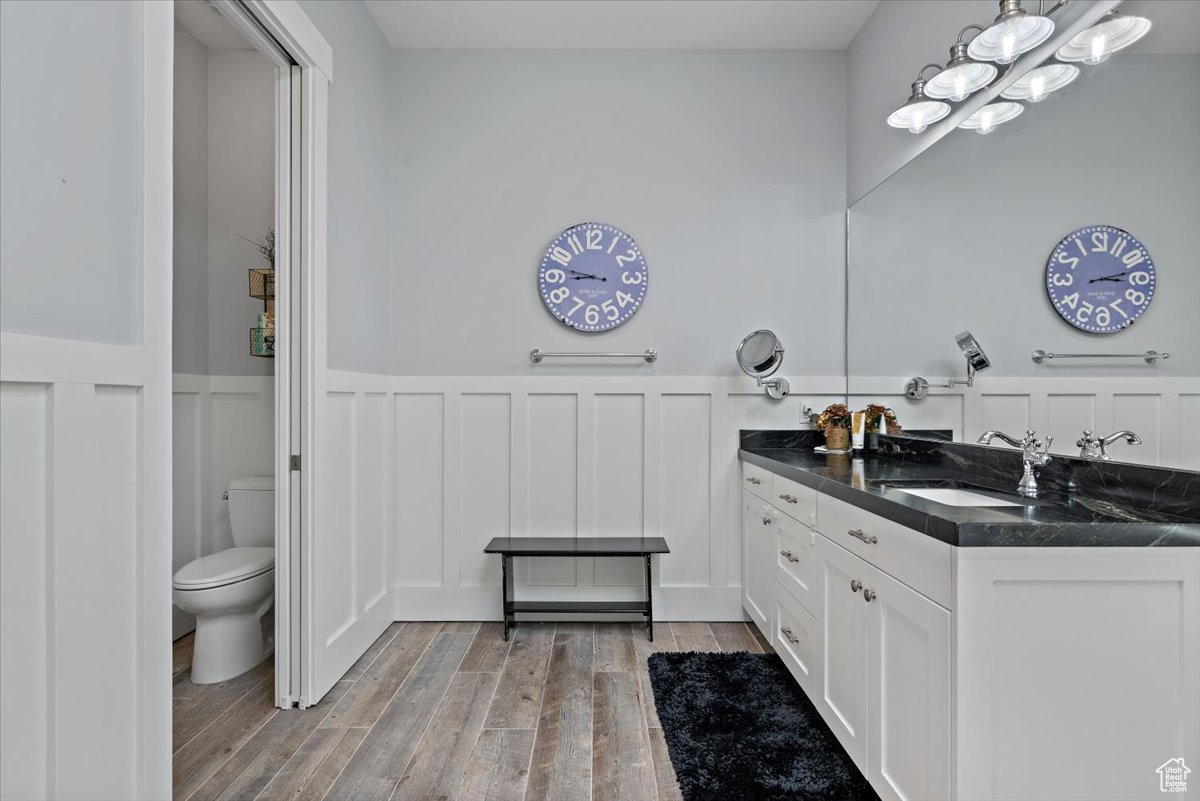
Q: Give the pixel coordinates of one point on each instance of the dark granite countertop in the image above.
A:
(1081, 503)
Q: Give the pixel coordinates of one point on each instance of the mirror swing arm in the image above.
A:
(917, 387)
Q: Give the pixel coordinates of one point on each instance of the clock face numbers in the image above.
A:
(1100, 279)
(593, 277)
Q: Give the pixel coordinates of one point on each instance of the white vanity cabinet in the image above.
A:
(978, 672)
(878, 670)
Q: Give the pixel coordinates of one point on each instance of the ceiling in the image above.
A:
(622, 24)
(206, 24)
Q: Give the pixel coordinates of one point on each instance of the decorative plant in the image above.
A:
(881, 419)
(836, 415)
(265, 246)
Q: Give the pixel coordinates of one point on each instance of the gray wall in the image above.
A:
(960, 237)
(727, 167)
(189, 320)
(359, 289)
(224, 187)
(69, 132)
(241, 201)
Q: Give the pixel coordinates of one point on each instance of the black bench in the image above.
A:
(508, 547)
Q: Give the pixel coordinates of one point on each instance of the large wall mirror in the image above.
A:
(959, 240)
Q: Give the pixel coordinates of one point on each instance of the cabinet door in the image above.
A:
(908, 691)
(842, 620)
(758, 534)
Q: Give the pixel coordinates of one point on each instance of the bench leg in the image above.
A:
(649, 603)
(504, 579)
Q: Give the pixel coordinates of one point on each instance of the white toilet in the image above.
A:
(230, 591)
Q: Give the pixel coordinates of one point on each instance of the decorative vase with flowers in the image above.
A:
(835, 423)
(880, 420)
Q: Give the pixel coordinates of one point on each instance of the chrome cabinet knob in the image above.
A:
(788, 555)
(789, 498)
(868, 595)
(754, 480)
(857, 533)
(789, 635)
(855, 585)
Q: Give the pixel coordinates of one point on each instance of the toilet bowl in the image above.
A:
(230, 591)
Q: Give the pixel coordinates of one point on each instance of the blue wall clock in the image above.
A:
(1100, 279)
(593, 277)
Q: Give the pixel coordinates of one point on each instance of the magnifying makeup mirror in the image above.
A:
(760, 355)
(916, 387)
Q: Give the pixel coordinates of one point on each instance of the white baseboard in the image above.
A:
(711, 604)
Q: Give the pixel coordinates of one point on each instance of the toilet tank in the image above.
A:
(252, 511)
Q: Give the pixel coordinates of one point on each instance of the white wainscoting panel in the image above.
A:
(72, 620)
(477, 458)
(223, 428)
(1164, 412)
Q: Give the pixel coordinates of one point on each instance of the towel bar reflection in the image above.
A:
(537, 354)
(1151, 356)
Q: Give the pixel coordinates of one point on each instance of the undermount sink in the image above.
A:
(955, 497)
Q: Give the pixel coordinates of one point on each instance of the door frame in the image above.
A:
(284, 34)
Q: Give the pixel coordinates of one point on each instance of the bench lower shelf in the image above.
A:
(543, 607)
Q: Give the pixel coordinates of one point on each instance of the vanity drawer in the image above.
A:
(921, 562)
(795, 559)
(758, 481)
(795, 639)
(795, 500)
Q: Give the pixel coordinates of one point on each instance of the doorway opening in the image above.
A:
(237, 396)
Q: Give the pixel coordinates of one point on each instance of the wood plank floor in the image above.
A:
(448, 711)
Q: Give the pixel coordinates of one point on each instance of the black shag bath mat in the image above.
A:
(739, 728)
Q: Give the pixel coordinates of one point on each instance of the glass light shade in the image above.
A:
(1007, 39)
(1110, 34)
(917, 115)
(988, 118)
(958, 82)
(1039, 82)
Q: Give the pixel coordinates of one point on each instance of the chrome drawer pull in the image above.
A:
(855, 585)
(789, 498)
(868, 595)
(857, 533)
(788, 555)
(792, 638)
(754, 480)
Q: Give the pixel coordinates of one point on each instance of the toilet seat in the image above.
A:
(224, 567)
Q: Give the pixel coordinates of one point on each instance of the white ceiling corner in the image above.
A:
(209, 27)
(622, 24)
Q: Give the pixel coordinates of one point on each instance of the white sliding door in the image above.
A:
(85, 394)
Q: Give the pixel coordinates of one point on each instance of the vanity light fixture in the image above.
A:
(962, 76)
(1111, 33)
(918, 112)
(1039, 82)
(992, 115)
(1015, 31)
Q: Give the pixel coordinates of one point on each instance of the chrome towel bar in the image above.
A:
(537, 354)
(1151, 356)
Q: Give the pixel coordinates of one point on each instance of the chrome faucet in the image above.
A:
(1092, 447)
(1034, 455)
